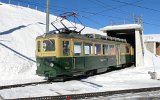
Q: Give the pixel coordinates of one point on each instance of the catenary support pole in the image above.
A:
(47, 16)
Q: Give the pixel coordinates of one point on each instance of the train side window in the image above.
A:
(39, 46)
(97, 49)
(105, 49)
(112, 49)
(127, 49)
(66, 48)
(77, 48)
(88, 48)
(49, 45)
(123, 49)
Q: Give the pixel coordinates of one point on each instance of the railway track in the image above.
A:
(89, 95)
(23, 85)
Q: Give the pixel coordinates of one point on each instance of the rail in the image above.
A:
(22, 85)
(89, 95)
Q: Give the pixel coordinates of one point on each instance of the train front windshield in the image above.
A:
(49, 45)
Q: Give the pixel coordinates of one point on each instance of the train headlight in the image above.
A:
(38, 64)
(51, 64)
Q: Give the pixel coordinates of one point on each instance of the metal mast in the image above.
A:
(47, 16)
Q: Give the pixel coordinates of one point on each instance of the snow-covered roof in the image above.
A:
(121, 27)
(152, 37)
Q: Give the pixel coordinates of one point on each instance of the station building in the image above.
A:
(152, 43)
(133, 34)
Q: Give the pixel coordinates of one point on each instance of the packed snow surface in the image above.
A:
(20, 26)
(128, 78)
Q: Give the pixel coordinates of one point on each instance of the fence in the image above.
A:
(24, 4)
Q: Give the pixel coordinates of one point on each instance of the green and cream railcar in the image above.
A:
(68, 55)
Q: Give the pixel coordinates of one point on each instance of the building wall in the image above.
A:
(139, 48)
(150, 46)
(153, 47)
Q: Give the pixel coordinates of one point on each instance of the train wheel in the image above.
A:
(90, 73)
(124, 66)
(57, 79)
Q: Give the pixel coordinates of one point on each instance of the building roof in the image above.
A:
(121, 27)
(152, 37)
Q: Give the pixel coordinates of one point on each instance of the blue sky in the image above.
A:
(100, 13)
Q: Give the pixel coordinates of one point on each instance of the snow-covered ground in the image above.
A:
(20, 26)
(117, 80)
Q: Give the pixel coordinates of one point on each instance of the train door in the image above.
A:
(118, 55)
(66, 58)
(38, 49)
(78, 58)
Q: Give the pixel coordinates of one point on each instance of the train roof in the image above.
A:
(91, 37)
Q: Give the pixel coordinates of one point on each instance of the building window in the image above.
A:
(77, 48)
(49, 45)
(127, 49)
(123, 49)
(157, 45)
(66, 48)
(88, 48)
(97, 49)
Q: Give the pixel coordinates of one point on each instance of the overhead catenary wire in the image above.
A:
(151, 9)
(113, 8)
(91, 13)
(147, 8)
(102, 4)
(125, 11)
(34, 4)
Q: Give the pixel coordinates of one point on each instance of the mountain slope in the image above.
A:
(19, 27)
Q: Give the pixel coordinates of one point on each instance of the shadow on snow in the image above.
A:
(17, 52)
(12, 30)
(18, 28)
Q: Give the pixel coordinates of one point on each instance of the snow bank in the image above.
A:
(19, 27)
(152, 63)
